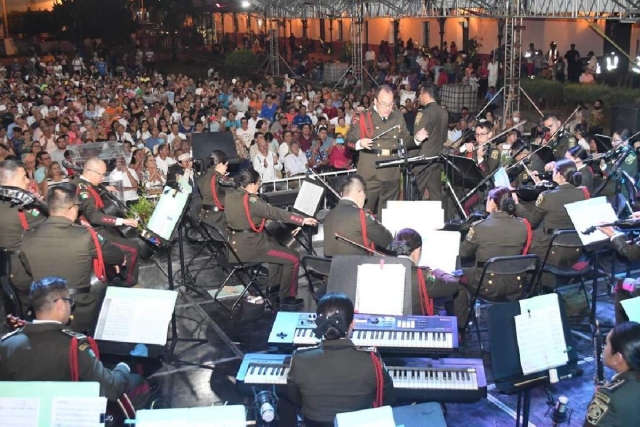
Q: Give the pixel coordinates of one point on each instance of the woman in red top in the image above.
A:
(339, 155)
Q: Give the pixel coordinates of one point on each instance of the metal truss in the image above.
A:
(357, 32)
(512, 58)
(543, 9)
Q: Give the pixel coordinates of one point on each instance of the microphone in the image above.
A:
(560, 413)
(265, 404)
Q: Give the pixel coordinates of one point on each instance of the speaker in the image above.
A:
(203, 145)
(625, 117)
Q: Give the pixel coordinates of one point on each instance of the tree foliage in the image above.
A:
(110, 20)
(32, 22)
(241, 63)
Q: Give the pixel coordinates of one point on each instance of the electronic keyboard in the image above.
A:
(390, 334)
(415, 379)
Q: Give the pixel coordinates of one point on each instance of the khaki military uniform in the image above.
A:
(550, 215)
(347, 219)
(498, 235)
(382, 184)
(630, 167)
(40, 352)
(534, 163)
(213, 187)
(631, 251)
(42, 257)
(244, 212)
(563, 143)
(435, 120)
(11, 232)
(438, 285)
(92, 213)
(616, 404)
(333, 378)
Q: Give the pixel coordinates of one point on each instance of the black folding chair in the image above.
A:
(515, 265)
(9, 293)
(316, 270)
(241, 270)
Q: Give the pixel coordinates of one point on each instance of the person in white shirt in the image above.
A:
(241, 103)
(163, 161)
(121, 135)
(129, 179)
(285, 146)
(493, 67)
(175, 134)
(244, 133)
(253, 119)
(266, 163)
(57, 152)
(296, 162)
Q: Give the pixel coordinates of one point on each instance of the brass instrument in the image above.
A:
(18, 196)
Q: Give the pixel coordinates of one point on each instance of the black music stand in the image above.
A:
(464, 173)
(343, 276)
(544, 152)
(505, 357)
(406, 163)
(167, 244)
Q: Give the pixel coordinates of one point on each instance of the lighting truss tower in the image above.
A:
(357, 30)
(512, 56)
(274, 59)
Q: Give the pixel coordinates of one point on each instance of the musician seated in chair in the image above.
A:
(337, 376)
(60, 247)
(550, 215)
(627, 169)
(213, 186)
(93, 201)
(46, 350)
(519, 175)
(15, 219)
(428, 284)
(350, 220)
(246, 214)
(616, 402)
(500, 234)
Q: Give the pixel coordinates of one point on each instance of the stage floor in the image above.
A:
(228, 339)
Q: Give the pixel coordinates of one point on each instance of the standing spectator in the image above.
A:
(163, 160)
(494, 69)
(266, 163)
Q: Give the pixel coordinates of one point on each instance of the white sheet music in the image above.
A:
(77, 411)
(501, 178)
(23, 412)
(380, 289)
(440, 249)
(308, 198)
(632, 308)
(210, 416)
(136, 315)
(588, 213)
(541, 335)
(375, 417)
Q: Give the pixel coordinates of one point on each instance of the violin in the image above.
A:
(623, 224)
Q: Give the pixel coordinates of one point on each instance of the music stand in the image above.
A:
(464, 173)
(166, 231)
(545, 153)
(343, 276)
(505, 357)
(406, 164)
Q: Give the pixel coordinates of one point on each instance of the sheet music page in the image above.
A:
(380, 289)
(588, 213)
(541, 340)
(77, 411)
(375, 417)
(167, 212)
(501, 178)
(16, 411)
(136, 315)
(209, 416)
(632, 308)
(308, 198)
(440, 249)
(416, 215)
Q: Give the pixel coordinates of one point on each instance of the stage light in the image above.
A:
(612, 61)
(636, 66)
(245, 4)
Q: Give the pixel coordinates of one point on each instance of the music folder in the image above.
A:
(505, 352)
(309, 197)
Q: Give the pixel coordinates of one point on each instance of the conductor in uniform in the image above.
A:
(83, 250)
(213, 186)
(384, 183)
(42, 350)
(350, 220)
(434, 120)
(246, 215)
(14, 221)
(616, 403)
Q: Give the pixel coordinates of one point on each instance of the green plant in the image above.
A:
(345, 54)
(241, 63)
(473, 46)
(143, 208)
